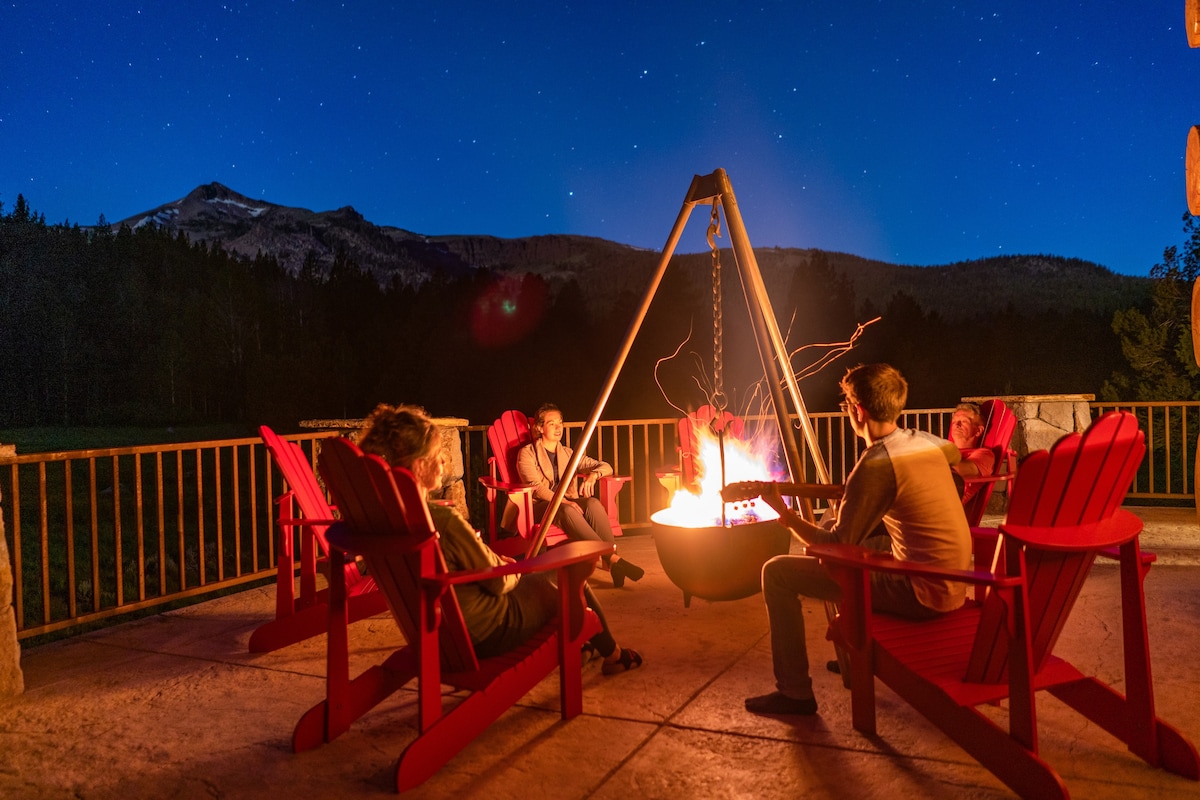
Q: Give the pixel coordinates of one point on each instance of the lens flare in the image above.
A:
(507, 310)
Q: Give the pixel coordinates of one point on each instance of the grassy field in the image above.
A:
(57, 439)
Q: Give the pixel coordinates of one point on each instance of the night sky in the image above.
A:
(911, 132)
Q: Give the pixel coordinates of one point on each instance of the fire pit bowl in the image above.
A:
(718, 563)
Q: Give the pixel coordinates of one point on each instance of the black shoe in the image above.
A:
(834, 667)
(622, 569)
(631, 570)
(779, 703)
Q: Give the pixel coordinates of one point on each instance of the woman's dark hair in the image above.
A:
(539, 416)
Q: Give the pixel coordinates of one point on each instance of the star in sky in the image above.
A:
(922, 133)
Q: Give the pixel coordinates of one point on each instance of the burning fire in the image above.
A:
(703, 510)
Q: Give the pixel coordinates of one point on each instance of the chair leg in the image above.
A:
(313, 620)
(1167, 748)
(293, 628)
(843, 655)
(285, 561)
(1022, 770)
(345, 700)
(457, 728)
(853, 650)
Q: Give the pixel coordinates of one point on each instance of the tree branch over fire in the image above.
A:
(834, 351)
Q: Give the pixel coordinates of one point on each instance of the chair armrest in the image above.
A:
(304, 521)
(562, 556)
(855, 557)
(995, 477)
(342, 539)
(608, 488)
(1116, 530)
(503, 486)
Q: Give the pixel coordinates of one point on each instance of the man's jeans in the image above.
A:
(785, 579)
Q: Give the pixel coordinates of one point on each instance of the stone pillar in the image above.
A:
(12, 681)
(453, 491)
(1042, 419)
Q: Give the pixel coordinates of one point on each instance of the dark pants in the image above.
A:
(582, 518)
(785, 579)
(530, 607)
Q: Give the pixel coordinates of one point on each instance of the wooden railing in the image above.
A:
(1168, 472)
(93, 534)
(640, 448)
(97, 533)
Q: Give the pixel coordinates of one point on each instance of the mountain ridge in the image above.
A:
(298, 238)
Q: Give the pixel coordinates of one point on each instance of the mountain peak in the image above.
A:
(247, 227)
(215, 191)
(214, 203)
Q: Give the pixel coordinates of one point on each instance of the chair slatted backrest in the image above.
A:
(999, 424)
(380, 505)
(1081, 480)
(507, 435)
(306, 492)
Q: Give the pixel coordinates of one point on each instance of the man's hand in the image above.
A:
(588, 487)
(771, 496)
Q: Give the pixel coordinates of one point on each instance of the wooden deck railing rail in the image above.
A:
(1171, 428)
(97, 533)
(94, 534)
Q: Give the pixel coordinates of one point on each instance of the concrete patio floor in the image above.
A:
(172, 706)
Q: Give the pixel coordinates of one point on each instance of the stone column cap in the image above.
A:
(1033, 398)
(354, 424)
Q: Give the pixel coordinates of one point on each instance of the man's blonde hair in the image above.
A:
(878, 388)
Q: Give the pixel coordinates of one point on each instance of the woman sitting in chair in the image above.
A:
(500, 613)
(581, 516)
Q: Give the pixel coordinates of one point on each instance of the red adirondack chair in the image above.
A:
(513, 499)
(684, 476)
(386, 522)
(1064, 511)
(999, 423)
(296, 619)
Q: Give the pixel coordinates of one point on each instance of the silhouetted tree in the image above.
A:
(1157, 342)
(142, 326)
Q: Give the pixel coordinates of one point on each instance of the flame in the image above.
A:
(703, 510)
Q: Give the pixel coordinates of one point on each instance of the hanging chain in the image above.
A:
(718, 400)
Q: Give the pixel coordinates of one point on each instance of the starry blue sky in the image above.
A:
(916, 133)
